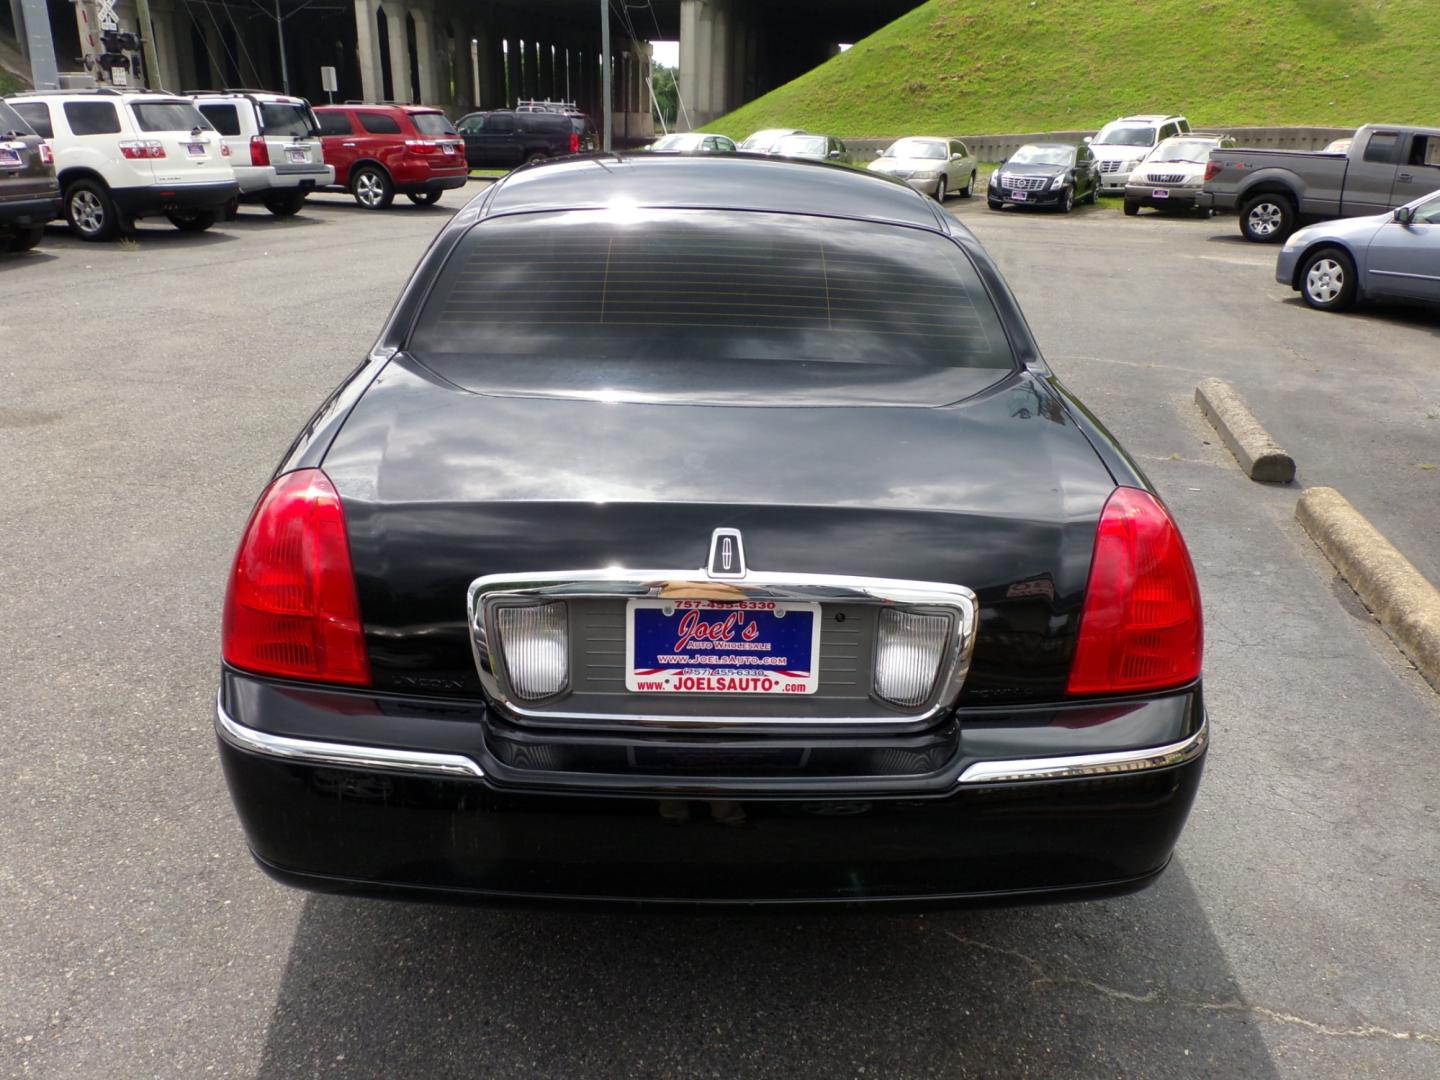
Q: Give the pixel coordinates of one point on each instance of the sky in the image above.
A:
(666, 52)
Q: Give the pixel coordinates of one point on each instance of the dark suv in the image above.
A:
(509, 138)
(29, 193)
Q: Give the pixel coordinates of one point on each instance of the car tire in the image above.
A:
(995, 204)
(538, 155)
(231, 210)
(1131, 208)
(285, 205)
(1327, 280)
(1092, 196)
(25, 238)
(371, 187)
(941, 191)
(1067, 200)
(193, 220)
(423, 198)
(90, 210)
(1267, 218)
(969, 188)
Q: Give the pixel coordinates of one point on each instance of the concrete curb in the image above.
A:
(1251, 444)
(1402, 598)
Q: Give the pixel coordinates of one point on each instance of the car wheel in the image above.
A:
(1267, 219)
(371, 187)
(25, 238)
(231, 210)
(1131, 208)
(995, 204)
(193, 220)
(1067, 200)
(538, 155)
(941, 191)
(90, 211)
(285, 205)
(969, 188)
(1327, 280)
(423, 198)
(1092, 196)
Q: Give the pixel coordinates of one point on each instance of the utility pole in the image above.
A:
(39, 45)
(147, 45)
(607, 91)
(280, 36)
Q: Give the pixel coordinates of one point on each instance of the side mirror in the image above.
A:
(1001, 162)
(879, 153)
(1404, 215)
(1089, 138)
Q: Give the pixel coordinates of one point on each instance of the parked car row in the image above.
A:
(105, 159)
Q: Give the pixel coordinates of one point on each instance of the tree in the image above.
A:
(667, 95)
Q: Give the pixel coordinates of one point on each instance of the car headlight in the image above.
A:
(995, 178)
(1130, 166)
(1058, 182)
(924, 174)
(908, 653)
(535, 641)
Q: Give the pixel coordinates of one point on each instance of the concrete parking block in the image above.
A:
(1251, 444)
(1402, 598)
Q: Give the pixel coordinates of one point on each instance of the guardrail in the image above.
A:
(996, 147)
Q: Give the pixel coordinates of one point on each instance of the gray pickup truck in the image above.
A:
(1387, 165)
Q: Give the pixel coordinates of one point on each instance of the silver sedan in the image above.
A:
(812, 148)
(1394, 255)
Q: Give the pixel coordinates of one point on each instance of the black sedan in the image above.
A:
(1057, 175)
(710, 530)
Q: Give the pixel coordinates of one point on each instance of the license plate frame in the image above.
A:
(196, 149)
(1020, 196)
(1159, 193)
(297, 156)
(10, 156)
(737, 653)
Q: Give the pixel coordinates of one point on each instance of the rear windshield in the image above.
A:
(433, 123)
(169, 116)
(710, 305)
(280, 119)
(12, 122)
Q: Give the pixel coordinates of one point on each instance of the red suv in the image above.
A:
(378, 150)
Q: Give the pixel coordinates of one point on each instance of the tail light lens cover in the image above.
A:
(142, 149)
(535, 640)
(259, 150)
(47, 154)
(1212, 170)
(291, 608)
(909, 650)
(1141, 627)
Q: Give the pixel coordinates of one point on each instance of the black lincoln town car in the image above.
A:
(710, 531)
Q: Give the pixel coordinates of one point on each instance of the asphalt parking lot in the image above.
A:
(151, 387)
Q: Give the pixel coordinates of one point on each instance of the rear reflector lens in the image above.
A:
(291, 609)
(908, 654)
(1141, 627)
(536, 644)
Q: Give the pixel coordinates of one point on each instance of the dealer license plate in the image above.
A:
(1160, 193)
(195, 149)
(722, 647)
(9, 158)
(1019, 196)
(297, 157)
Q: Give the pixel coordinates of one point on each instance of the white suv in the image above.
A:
(1122, 144)
(274, 143)
(122, 156)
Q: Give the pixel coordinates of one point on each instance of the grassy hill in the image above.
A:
(987, 66)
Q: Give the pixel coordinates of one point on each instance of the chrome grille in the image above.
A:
(1026, 183)
(1165, 178)
(1109, 166)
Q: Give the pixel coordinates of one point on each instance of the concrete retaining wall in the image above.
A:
(996, 147)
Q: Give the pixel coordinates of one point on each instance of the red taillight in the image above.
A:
(142, 149)
(224, 149)
(259, 151)
(424, 146)
(47, 155)
(1212, 170)
(291, 608)
(574, 142)
(1141, 626)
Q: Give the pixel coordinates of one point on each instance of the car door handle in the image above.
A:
(347, 144)
(1405, 177)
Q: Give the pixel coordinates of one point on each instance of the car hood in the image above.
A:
(1359, 229)
(1186, 169)
(1000, 493)
(909, 164)
(1032, 170)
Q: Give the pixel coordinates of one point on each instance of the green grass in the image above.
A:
(991, 66)
(9, 84)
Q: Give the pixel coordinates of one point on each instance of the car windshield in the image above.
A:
(169, 116)
(1125, 135)
(432, 123)
(1196, 151)
(676, 142)
(710, 304)
(13, 122)
(287, 118)
(1042, 155)
(763, 140)
(917, 148)
(801, 144)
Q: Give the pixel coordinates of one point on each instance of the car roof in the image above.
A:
(1148, 118)
(380, 105)
(729, 182)
(101, 94)
(1052, 145)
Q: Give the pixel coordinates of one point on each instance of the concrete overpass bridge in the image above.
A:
(468, 54)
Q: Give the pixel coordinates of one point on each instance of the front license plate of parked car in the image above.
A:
(1019, 196)
(9, 158)
(722, 647)
(195, 149)
(1160, 193)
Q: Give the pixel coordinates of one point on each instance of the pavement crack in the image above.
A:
(1158, 996)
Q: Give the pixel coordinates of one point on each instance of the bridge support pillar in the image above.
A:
(710, 39)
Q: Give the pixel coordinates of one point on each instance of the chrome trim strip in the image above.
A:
(618, 583)
(1083, 766)
(344, 755)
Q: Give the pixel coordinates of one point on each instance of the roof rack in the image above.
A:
(396, 104)
(107, 91)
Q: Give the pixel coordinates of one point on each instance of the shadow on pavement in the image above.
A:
(1132, 987)
(1419, 314)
